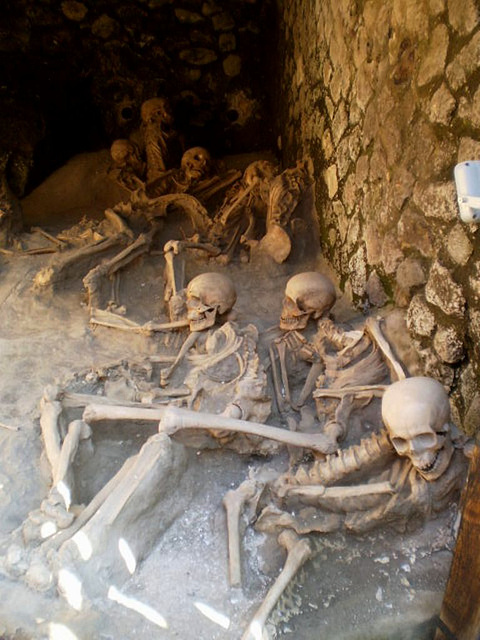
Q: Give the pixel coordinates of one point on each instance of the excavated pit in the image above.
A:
(381, 585)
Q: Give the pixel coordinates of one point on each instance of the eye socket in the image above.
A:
(300, 304)
(424, 441)
(400, 444)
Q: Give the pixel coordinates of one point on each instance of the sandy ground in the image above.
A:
(382, 585)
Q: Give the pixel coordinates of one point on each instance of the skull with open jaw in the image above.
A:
(416, 412)
(208, 295)
(307, 295)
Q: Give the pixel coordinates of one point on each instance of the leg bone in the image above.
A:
(298, 551)
(233, 503)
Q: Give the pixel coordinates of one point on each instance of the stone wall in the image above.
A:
(383, 99)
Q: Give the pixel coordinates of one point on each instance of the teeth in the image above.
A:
(429, 467)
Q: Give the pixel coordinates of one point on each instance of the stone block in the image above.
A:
(331, 180)
(443, 292)
(420, 318)
(415, 233)
(469, 149)
(442, 106)
(459, 246)
(437, 200)
(375, 290)
(463, 16)
(198, 56)
(448, 344)
(433, 61)
(232, 65)
(464, 64)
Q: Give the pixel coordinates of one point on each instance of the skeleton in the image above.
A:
(142, 490)
(127, 166)
(244, 208)
(407, 474)
(158, 131)
(111, 232)
(260, 211)
(286, 192)
(348, 365)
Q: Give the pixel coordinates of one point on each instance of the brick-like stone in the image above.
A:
(232, 65)
(73, 10)
(469, 110)
(469, 149)
(437, 200)
(442, 291)
(331, 180)
(410, 274)
(420, 318)
(358, 271)
(392, 254)
(412, 16)
(464, 64)
(442, 105)
(433, 61)
(449, 345)
(104, 27)
(373, 243)
(223, 21)
(227, 42)
(375, 290)
(188, 17)
(415, 233)
(198, 56)
(340, 122)
(463, 16)
(459, 246)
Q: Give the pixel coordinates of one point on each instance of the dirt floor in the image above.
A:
(381, 585)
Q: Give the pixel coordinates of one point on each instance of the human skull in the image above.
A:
(307, 295)
(208, 294)
(416, 412)
(196, 163)
(157, 111)
(125, 154)
(258, 171)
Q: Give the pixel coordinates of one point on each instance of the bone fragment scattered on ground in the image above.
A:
(233, 502)
(298, 552)
(9, 427)
(56, 241)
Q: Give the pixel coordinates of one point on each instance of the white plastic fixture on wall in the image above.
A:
(467, 181)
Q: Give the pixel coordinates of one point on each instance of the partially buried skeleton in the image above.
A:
(399, 476)
(224, 376)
